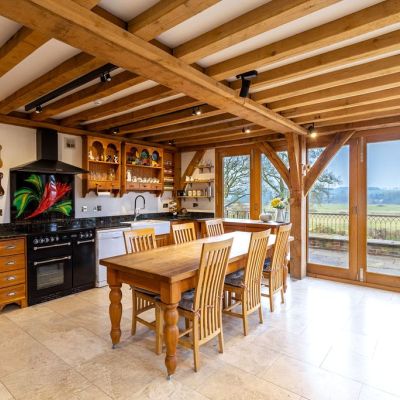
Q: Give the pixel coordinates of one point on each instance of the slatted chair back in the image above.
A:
(184, 233)
(209, 289)
(138, 240)
(279, 257)
(254, 268)
(214, 227)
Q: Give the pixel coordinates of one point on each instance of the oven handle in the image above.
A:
(35, 263)
(85, 241)
(52, 245)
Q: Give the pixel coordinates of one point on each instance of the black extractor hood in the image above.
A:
(47, 156)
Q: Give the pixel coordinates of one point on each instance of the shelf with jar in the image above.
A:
(101, 157)
(169, 171)
(142, 168)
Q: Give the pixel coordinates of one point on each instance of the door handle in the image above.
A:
(11, 278)
(52, 245)
(85, 241)
(35, 263)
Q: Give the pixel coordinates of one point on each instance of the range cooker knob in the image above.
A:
(52, 239)
(47, 240)
(57, 238)
(41, 240)
(35, 241)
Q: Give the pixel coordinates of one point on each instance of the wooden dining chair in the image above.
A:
(139, 240)
(214, 227)
(202, 307)
(184, 233)
(244, 286)
(273, 273)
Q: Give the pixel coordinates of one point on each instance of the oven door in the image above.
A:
(49, 278)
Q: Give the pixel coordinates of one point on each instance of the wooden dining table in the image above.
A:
(169, 271)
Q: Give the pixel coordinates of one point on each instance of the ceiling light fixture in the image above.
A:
(171, 142)
(105, 77)
(196, 111)
(38, 109)
(115, 131)
(246, 81)
(312, 132)
(246, 130)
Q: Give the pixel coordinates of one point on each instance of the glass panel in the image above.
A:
(383, 208)
(328, 212)
(237, 186)
(50, 275)
(272, 185)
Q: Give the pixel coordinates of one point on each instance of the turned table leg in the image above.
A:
(115, 313)
(171, 333)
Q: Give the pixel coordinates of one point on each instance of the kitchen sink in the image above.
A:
(160, 227)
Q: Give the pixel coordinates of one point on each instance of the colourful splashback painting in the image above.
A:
(41, 196)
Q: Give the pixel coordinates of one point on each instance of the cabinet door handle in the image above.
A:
(12, 262)
(11, 278)
(11, 247)
(11, 294)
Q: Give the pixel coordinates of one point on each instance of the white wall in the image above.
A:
(19, 147)
(204, 204)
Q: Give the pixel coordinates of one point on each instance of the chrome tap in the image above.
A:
(137, 210)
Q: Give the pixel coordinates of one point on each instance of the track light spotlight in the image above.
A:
(38, 109)
(171, 142)
(196, 111)
(105, 77)
(312, 132)
(115, 131)
(246, 81)
(246, 130)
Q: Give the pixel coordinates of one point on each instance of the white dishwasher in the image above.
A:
(110, 243)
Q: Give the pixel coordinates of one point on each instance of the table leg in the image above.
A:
(115, 313)
(171, 333)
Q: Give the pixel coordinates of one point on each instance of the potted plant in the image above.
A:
(280, 205)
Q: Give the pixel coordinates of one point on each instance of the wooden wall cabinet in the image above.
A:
(142, 169)
(102, 158)
(12, 272)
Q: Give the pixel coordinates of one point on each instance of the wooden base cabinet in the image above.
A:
(12, 272)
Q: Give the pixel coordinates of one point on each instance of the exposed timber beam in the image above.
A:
(164, 15)
(191, 166)
(369, 19)
(323, 160)
(276, 161)
(119, 105)
(321, 63)
(119, 82)
(166, 107)
(339, 92)
(83, 29)
(261, 19)
(374, 69)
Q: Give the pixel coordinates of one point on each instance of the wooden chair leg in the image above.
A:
(260, 313)
(159, 329)
(283, 295)
(245, 322)
(271, 301)
(221, 341)
(134, 311)
(196, 346)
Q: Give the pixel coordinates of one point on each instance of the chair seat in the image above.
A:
(187, 300)
(235, 278)
(267, 265)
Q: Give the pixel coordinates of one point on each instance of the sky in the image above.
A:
(383, 169)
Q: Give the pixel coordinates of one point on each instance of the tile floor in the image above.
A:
(329, 341)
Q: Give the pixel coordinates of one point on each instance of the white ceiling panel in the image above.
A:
(38, 63)
(7, 29)
(126, 9)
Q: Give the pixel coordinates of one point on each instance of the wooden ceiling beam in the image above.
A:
(121, 81)
(356, 111)
(179, 117)
(343, 104)
(377, 46)
(369, 19)
(323, 160)
(119, 105)
(339, 92)
(276, 161)
(70, 23)
(166, 107)
(164, 15)
(374, 69)
(261, 19)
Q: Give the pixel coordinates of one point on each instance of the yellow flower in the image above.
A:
(276, 202)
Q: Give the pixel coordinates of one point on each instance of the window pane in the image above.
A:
(328, 212)
(272, 185)
(383, 210)
(237, 186)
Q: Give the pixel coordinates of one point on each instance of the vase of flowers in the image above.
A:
(280, 205)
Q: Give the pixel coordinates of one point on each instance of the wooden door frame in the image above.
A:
(255, 178)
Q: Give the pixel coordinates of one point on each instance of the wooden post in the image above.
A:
(298, 210)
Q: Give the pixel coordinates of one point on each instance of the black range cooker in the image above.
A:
(60, 262)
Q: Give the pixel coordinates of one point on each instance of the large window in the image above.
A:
(236, 183)
(328, 212)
